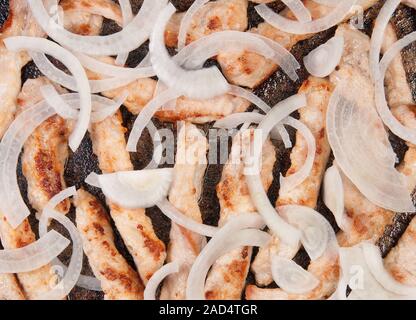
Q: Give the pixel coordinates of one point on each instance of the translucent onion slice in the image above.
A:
(137, 189)
(277, 225)
(187, 20)
(317, 233)
(127, 13)
(219, 245)
(374, 261)
(195, 84)
(130, 38)
(289, 183)
(157, 278)
(333, 196)
(407, 134)
(363, 152)
(299, 10)
(291, 277)
(322, 61)
(337, 15)
(73, 65)
(33, 256)
(180, 219)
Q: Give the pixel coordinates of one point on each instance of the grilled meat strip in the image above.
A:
(9, 288)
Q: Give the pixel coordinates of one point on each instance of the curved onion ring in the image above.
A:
(187, 20)
(158, 277)
(299, 10)
(127, 13)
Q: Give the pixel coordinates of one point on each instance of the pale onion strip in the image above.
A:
(53, 73)
(299, 10)
(407, 134)
(291, 182)
(76, 69)
(180, 219)
(204, 83)
(290, 26)
(291, 277)
(218, 246)
(92, 180)
(34, 255)
(374, 262)
(130, 38)
(146, 115)
(245, 94)
(157, 278)
(127, 13)
(86, 282)
(187, 21)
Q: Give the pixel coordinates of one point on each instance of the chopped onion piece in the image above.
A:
(322, 61)
(137, 189)
(363, 152)
(317, 233)
(374, 261)
(187, 20)
(130, 38)
(93, 180)
(195, 84)
(158, 277)
(34, 255)
(291, 277)
(290, 26)
(73, 65)
(299, 10)
(180, 219)
(333, 196)
(127, 13)
(222, 243)
(289, 183)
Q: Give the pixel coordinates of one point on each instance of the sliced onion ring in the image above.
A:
(158, 277)
(127, 13)
(299, 10)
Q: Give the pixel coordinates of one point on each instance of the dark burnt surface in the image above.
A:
(182, 5)
(4, 11)
(253, 17)
(30, 71)
(399, 146)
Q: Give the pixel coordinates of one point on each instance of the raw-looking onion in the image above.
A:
(291, 277)
(180, 219)
(287, 233)
(73, 65)
(195, 84)
(299, 10)
(407, 134)
(146, 115)
(317, 233)
(333, 196)
(127, 13)
(290, 26)
(86, 282)
(363, 152)
(157, 278)
(322, 61)
(130, 38)
(289, 183)
(374, 261)
(233, 235)
(137, 189)
(187, 20)
(34, 255)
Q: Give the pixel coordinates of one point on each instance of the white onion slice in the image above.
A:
(322, 61)
(130, 38)
(333, 196)
(290, 26)
(289, 183)
(407, 134)
(245, 94)
(137, 189)
(33, 256)
(363, 152)
(195, 84)
(146, 115)
(180, 219)
(317, 233)
(374, 261)
(157, 278)
(187, 20)
(291, 277)
(219, 245)
(127, 13)
(73, 65)
(299, 10)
